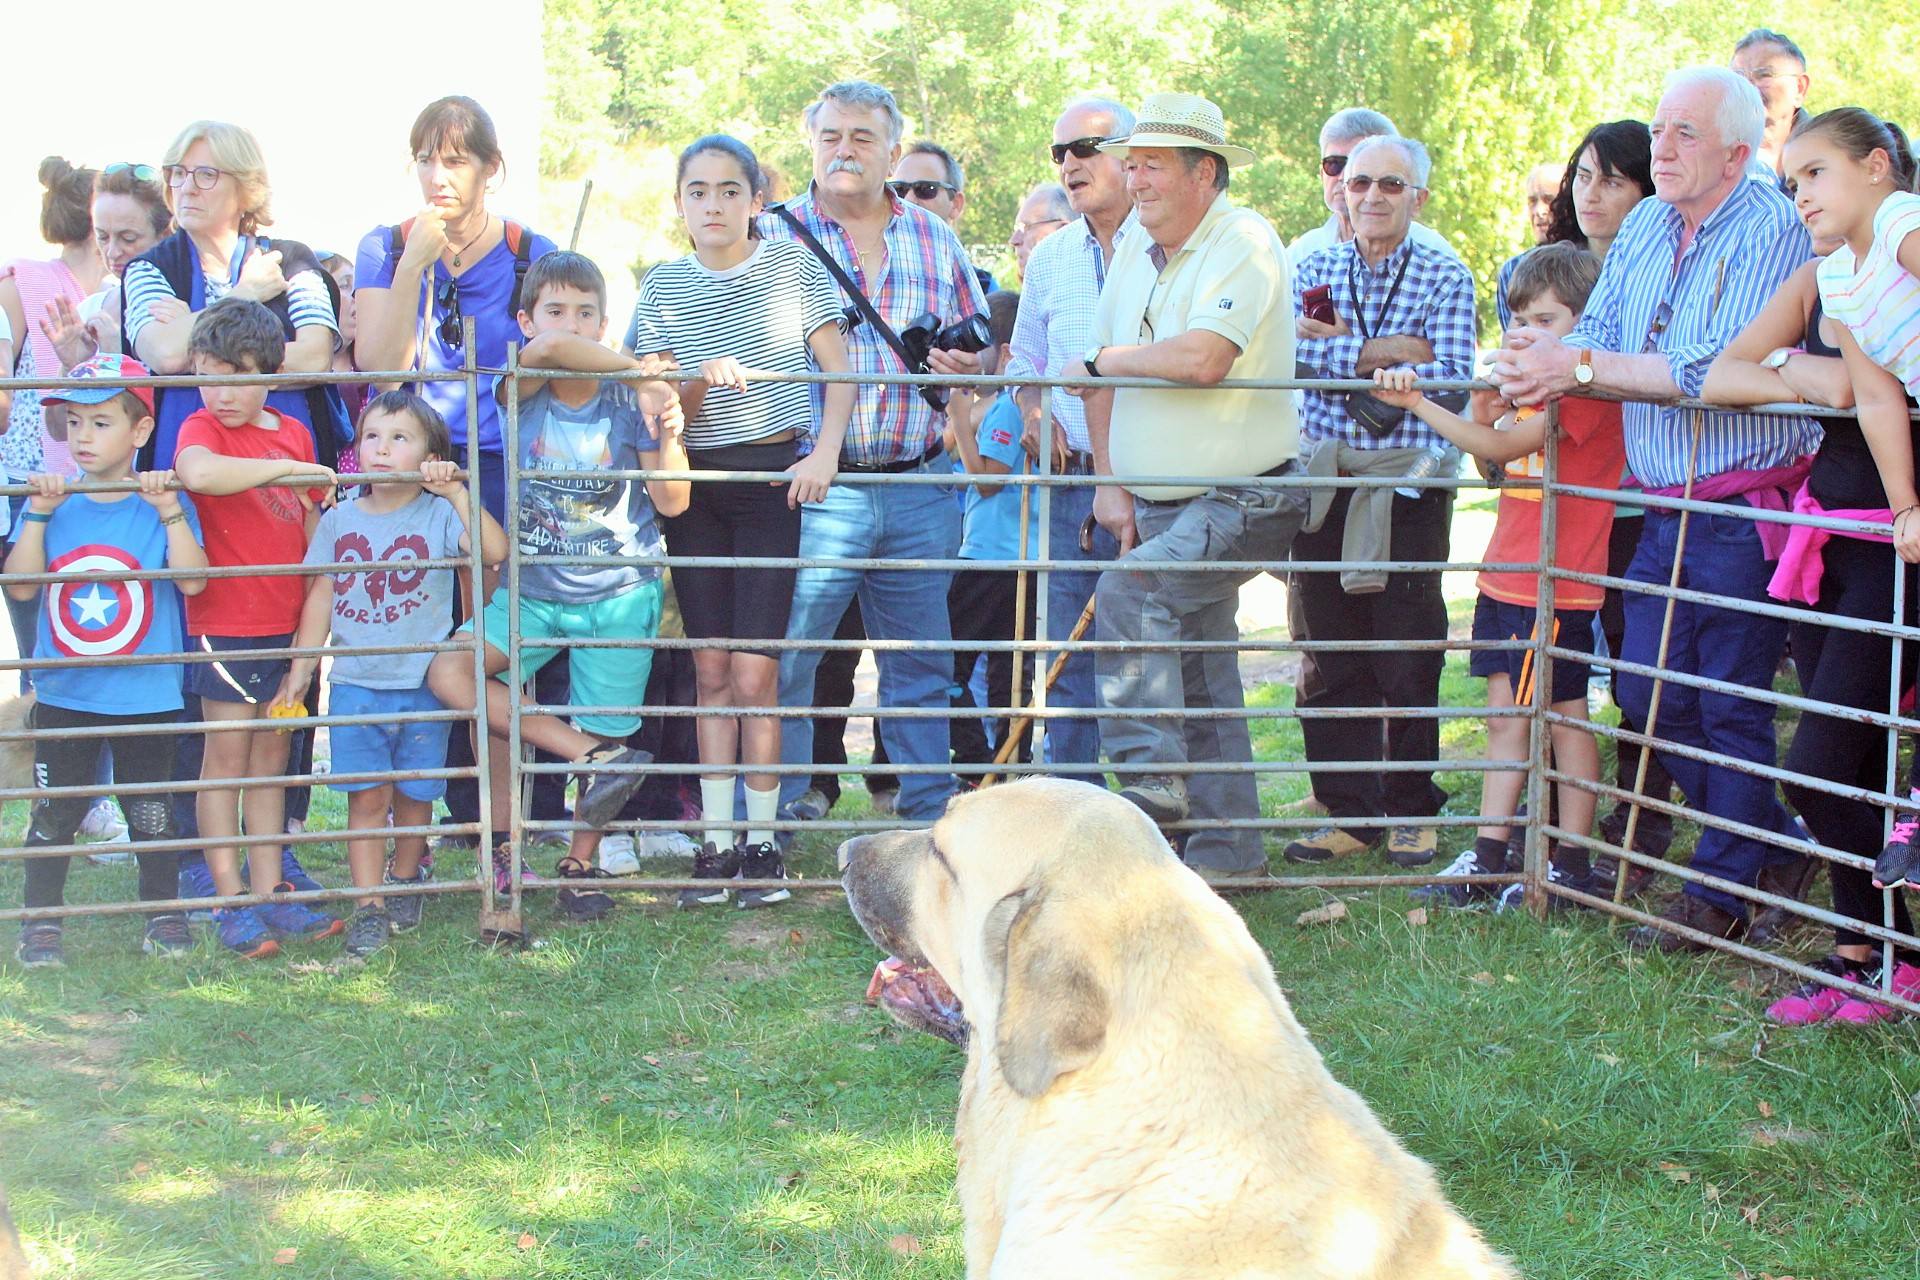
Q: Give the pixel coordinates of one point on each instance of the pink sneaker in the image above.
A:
(1860, 1012)
(1816, 1002)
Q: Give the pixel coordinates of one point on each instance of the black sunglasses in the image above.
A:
(446, 300)
(1333, 166)
(926, 190)
(1079, 149)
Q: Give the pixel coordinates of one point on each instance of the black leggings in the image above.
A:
(725, 518)
(1849, 669)
(71, 762)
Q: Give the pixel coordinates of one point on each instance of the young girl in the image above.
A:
(738, 303)
(402, 520)
(1854, 184)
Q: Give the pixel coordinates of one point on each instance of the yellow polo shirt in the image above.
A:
(1229, 278)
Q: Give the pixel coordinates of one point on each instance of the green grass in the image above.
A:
(691, 1095)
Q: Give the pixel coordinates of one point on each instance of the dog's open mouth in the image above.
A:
(916, 995)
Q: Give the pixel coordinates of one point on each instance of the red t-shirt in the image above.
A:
(1592, 453)
(259, 526)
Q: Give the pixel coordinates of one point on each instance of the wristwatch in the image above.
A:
(1091, 361)
(1583, 372)
(1778, 357)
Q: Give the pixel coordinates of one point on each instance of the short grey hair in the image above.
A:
(956, 176)
(1741, 117)
(1123, 120)
(859, 95)
(1192, 156)
(1412, 148)
(1056, 204)
(1761, 36)
(1355, 124)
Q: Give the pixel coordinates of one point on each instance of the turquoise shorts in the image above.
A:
(600, 677)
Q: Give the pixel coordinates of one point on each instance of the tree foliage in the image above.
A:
(1492, 87)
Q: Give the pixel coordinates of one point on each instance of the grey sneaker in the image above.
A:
(39, 946)
(368, 931)
(762, 862)
(713, 864)
(810, 806)
(1162, 797)
(405, 910)
(603, 795)
(885, 801)
(167, 936)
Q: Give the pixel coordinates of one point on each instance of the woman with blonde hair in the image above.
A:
(217, 187)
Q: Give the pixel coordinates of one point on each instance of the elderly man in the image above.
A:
(1344, 131)
(1060, 290)
(1775, 67)
(927, 175)
(1543, 184)
(1689, 269)
(1197, 294)
(906, 261)
(1045, 210)
(1396, 301)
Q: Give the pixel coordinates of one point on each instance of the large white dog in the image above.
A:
(1139, 1101)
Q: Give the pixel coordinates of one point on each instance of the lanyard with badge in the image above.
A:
(1386, 308)
(1366, 410)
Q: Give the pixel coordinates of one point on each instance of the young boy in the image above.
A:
(77, 535)
(578, 425)
(983, 432)
(1549, 290)
(230, 454)
(401, 520)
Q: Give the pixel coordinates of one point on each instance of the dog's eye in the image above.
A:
(940, 856)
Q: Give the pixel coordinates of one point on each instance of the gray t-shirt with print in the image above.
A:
(388, 606)
(587, 516)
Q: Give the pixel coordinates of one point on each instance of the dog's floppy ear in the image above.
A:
(1053, 1006)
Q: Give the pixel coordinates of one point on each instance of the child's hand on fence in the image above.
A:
(48, 493)
(812, 477)
(1906, 534)
(441, 478)
(664, 408)
(1396, 387)
(321, 495)
(157, 491)
(724, 372)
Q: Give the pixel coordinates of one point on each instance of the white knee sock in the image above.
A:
(762, 806)
(716, 805)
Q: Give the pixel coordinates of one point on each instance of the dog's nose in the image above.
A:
(849, 849)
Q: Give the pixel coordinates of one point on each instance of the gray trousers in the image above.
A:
(1139, 603)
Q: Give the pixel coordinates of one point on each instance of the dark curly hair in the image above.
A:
(1623, 147)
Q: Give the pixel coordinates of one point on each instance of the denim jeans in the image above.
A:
(1073, 741)
(875, 521)
(1723, 556)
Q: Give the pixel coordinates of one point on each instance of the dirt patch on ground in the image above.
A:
(765, 945)
(88, 1045)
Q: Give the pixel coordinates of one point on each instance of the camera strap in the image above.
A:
(868, 312)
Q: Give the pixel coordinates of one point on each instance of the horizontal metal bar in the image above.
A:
(1145, 769)
(1759, 515)
(914, 824)
(285, 724)
(1753, 693)
(1737, 604)
(1448, 645)
(955, 564)
(1731, 826)
(1039, 713)
(194, 785)
(197, 843)
(452, 644)
(239, 571)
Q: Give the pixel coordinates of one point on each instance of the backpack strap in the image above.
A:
(520, 244)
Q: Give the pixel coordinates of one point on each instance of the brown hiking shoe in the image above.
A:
(1690, 912)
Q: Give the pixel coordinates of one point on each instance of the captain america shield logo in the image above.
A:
(89, 618)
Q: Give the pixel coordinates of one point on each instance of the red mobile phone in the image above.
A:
(1317, 304)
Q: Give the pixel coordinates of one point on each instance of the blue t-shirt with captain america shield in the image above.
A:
(82, 616)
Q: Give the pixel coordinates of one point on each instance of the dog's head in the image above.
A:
(1018, 898)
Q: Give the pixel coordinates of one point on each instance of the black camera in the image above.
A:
(923, 334)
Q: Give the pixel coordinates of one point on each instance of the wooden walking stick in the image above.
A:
(1020, 597)
(1666, 633)
(580, 218)
(1018, 730)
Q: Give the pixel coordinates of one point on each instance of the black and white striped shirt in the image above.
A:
(761, 313)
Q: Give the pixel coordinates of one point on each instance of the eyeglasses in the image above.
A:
(924, 190)
(205, 176)
(446, 300)
(141, 172)
(1079, 149)
(1389, 186)
(1022, 228)
(1657, 325)
(1333, 166)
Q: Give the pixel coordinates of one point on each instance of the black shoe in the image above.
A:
(405, 910)
(762, 862)
(1652, 835)
(604, 795)
(167, 936)
(40, 946)
(720, 865)
(1791, 879)
(1460, 895)
(369, 930)
(1694, 913)
(583, 906)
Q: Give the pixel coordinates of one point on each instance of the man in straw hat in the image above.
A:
(1198, 295)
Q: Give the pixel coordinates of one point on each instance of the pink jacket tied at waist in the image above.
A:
(1802, 562)
(1764, 490)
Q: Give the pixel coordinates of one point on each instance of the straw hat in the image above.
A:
(1180, 120)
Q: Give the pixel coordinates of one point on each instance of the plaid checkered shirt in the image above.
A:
(1434, 301)
(927, 271)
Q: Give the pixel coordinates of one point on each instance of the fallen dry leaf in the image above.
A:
(526, 1241)
(1766, 1110)
(366, 1099)
(142, 1167)
(1713, 1193)
(1751, 1212)
(650, 1060)
(788, 1179)
(277, 1148)
(1417, 916)
(1676, 1172)
(644, 1242)
(906, 1246)
(796, 937)
(1483, 978)
(1327, 914)
(285, 1257)
(1608, 1058)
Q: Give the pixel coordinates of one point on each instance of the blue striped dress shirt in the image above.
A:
(1744, 251)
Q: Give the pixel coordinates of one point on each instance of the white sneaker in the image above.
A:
(104, 823)
(617, 857)
(668, 844)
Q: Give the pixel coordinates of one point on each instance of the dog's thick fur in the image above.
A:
(16, 757)
(1139, 1101)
